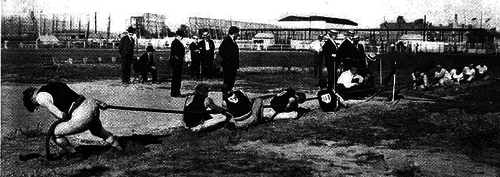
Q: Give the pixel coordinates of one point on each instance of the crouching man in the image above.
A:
(245, 112)
(329, 101)
(76, 113)
(202, 113)
(285, 105)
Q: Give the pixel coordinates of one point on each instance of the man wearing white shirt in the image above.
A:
(348, 81)
(316, 47)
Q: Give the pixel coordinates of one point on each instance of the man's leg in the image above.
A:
(125, 71)
(144, 75)
(331, 77)
(96, 129)
(216, 121)
(154, 75)
(251, 118)
(176, 82)
(80, 120)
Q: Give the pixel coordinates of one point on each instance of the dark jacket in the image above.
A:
(126, 47)
(230, 54)
(347, 50)
(329, 51)
(193, 47)
(144, 63)
(177, 53)
(207, 53)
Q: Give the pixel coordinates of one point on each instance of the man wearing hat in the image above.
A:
(147, 64)
(177, 53)
(230, 54)
(207, 55)
(126, 50)
(75, 113)
(194, 47)
(329, 52)
(347, 50)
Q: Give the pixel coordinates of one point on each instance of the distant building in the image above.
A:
(218, 27)
(149, 25)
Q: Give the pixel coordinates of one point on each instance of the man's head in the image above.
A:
(354, 69)
(180, 33)
(195, 38)
(28, 99)
(349, 34)
(301, 97)
(333, 33)
(130, 30)
(201, 89)
(322, 83)
(439, 67)
(150, 49)
(205, 35)
(234, 31)
(320, 37)
(356, 38)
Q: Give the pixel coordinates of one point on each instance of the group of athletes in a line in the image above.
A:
(78, 113)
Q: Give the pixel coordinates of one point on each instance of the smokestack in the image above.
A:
(456, 21)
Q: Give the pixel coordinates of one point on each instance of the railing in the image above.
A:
(428, 47)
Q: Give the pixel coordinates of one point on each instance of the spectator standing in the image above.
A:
(126, 50)
(329, 51)
(194, 47)
(230, 54)
(347, 51)
(316, 47)
(147, 64)
(207, 48)
(177, 52)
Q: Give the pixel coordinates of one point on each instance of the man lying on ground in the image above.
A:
(212, 116)
(285, 105)
(245, 112)
(75, 112)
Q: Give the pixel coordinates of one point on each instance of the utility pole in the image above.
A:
(109, 25)
(481, 22)
(95, 23)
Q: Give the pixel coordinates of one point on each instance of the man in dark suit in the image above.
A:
(230, 54)
(329, 50)
(194, 47)
(347, 51)
(126, 50)
(177, 53)
(146, 64)
(207, 55)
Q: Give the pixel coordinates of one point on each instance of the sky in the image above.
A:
(367, 13)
